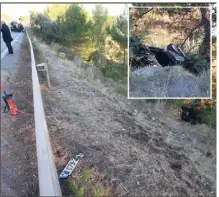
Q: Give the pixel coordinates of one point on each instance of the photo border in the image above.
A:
(131, 98)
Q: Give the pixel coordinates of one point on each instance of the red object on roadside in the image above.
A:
(9, 103)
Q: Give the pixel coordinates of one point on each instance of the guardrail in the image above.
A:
(47, 174)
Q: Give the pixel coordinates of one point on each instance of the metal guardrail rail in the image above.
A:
(47, 174)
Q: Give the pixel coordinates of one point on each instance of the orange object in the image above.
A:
(9, 103)
(13, 107)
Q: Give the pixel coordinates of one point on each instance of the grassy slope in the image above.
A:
(129, 145)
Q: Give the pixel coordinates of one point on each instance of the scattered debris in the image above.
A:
(70, 166)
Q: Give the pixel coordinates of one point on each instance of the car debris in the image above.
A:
(191, 114)
(70, 166)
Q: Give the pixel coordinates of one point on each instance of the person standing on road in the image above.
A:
(6, 34)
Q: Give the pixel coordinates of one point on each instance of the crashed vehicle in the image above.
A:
(143, 55)
(191, 113)
(16, 27)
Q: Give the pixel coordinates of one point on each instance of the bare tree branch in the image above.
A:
(141, 15)
(196, 27)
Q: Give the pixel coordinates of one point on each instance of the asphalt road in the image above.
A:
(3, 46)
(9, 176)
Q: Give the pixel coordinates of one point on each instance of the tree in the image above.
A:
(33, 16)
(205, 12)
(205, 22)
(24, 19)
(118, 32)
(136, 13)
(77, 24)
(56, 10)
(100, 15)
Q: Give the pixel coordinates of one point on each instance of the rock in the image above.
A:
(175, 164)
(4, 143)
(208, 153)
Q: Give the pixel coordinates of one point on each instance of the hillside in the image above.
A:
(131, 148)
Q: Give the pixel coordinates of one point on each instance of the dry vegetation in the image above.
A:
(168, 82)
(159, 29)
(132, 148)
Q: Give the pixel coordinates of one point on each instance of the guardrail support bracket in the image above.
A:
(44, 67)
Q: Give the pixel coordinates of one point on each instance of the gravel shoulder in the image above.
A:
(18, 152)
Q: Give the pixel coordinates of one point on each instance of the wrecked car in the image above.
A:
(191, 114)
(143, 55)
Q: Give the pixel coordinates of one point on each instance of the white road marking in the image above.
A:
(5, 51)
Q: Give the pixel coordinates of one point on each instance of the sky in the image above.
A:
(14, 11)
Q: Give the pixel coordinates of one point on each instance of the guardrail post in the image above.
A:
(47, 174)
(44, 67)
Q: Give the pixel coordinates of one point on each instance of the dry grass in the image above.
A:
(163, 29)
(131, 150)
(168, 82)
(158, 38)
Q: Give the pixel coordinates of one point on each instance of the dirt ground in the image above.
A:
(18, 152)
(132, 152)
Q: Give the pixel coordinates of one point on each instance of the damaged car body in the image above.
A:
(144, 56)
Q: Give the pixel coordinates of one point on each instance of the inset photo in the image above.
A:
(170, 52)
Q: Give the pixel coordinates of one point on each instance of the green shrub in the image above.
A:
(97, 191)
(85, 175)
(81, 187)
(117, 72)
(197, 64)
(208, 116)
(77, 190)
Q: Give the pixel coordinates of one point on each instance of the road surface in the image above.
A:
(7, 186)
(16, 159)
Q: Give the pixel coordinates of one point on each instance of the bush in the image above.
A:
(197, 64)
(207, 113)
(77, 190)
(118, 72)
(72, 27)
(98, 191)
(81, 186)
